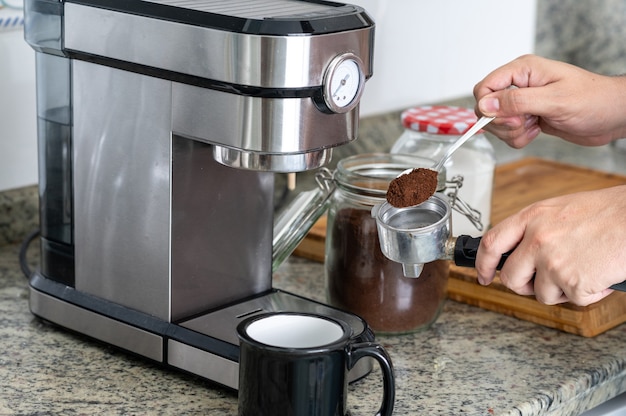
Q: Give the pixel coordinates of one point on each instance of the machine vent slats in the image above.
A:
(250, 9)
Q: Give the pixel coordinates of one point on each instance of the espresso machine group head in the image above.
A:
(161, 125)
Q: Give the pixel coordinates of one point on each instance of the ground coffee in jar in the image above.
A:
(359, 278)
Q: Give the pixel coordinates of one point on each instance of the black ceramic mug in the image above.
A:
(296, 364)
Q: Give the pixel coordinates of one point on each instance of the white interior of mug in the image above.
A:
(294, 331)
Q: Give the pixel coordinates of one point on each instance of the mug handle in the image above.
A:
(371, 349)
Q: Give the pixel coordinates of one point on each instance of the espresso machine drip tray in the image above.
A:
(220, 323)
(206, 345)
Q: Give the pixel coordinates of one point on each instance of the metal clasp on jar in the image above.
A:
(451, 191)
(325, 181)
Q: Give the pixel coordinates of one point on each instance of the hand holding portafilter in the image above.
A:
(420, 234)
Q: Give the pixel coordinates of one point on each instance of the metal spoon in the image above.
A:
(482, 122)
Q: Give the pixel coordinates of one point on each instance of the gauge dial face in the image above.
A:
(343, 85)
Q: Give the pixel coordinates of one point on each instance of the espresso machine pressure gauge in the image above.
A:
(343, 83)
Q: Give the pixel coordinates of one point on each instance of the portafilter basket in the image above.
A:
(420, 234)
(414, 235)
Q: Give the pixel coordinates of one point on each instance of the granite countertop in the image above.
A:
(471, 362)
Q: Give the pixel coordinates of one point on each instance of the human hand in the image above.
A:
(568, 248)
(554, 97)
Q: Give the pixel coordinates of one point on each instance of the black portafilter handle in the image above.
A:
(466, 247)
(465, 250)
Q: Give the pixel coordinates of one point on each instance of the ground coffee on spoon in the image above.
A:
(412, 188)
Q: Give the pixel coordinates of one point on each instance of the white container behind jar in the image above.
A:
(429, 132)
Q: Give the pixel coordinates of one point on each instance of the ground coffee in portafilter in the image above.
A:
(363, 281)
(412, 188)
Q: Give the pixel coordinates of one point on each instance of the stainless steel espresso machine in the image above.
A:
(161, 125)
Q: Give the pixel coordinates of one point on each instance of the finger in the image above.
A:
(583, 298)
(520, 283)
(547, 292)
(513, 74)
(511, 103)
(589, 299)
(518, 272)
(517, 132)
(500, 239)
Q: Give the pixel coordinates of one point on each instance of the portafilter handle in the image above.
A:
(466, 247)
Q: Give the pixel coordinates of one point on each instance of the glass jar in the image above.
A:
(429, 132)
(359, 278)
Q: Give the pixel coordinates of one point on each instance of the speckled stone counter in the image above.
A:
(472, 362)
(18, 214)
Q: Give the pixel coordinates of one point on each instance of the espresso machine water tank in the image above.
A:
(161, 125)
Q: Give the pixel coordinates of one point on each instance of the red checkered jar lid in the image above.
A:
(439, 119)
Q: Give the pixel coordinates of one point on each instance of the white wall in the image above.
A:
(18, 120)
(426, 51)
(429, 51)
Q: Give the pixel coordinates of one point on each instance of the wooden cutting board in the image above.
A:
(517, 185)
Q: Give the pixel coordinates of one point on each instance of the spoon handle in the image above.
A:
(482, 122)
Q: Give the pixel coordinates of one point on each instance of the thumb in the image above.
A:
(512, 102)
(489, 105)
